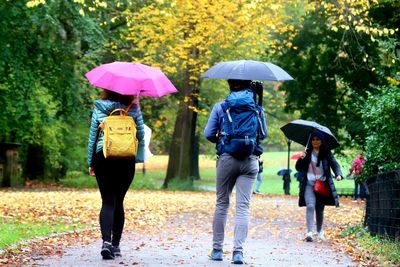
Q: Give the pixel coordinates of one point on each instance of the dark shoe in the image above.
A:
(216, 254)
(117, 251)
(107, 251)
(237, 257)
(309, 237)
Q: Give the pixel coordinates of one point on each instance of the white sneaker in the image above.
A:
(321, 236)
(309, 237)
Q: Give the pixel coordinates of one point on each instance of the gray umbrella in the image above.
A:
(300, 131)
(247, 70)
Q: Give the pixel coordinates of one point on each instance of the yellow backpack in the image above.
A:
(119, 135)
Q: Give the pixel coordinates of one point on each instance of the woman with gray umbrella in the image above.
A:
(316, 163)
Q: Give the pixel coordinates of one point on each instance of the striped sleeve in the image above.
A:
(137, 115)
(94, 124)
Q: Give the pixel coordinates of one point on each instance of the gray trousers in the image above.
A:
(313, 204)
(231, 172)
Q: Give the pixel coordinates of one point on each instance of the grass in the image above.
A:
(155, 170)
(12, 232)
(386, 251)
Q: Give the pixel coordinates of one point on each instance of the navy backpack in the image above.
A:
(241, 127)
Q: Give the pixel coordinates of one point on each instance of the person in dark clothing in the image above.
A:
(113, 176)
(316, 163)
(286, 183)
(259, 177)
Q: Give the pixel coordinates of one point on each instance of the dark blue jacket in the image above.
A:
(329, 163)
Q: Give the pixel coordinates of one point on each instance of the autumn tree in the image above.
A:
(184, 38)
(46, 47)
(334, 57)
(41, 94)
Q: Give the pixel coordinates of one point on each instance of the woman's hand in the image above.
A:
(338, 178)
(303, 154)
(91, 171)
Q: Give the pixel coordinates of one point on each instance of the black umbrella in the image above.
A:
(282, 172)
(300, 132)
(247, 70)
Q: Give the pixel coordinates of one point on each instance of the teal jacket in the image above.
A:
(102, 109)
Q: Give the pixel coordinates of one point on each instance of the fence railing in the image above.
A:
(383, 205)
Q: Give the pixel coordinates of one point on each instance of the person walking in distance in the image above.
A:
(113, 176)
(315, 164)
(259, 177)
(357, 169)
(236, 125)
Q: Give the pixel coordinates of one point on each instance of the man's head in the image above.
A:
(237, 85)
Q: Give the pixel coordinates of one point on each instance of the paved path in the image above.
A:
(185, 240)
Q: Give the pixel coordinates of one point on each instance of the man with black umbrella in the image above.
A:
(236, 125)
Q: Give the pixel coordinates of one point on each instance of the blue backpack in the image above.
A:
(241, 126)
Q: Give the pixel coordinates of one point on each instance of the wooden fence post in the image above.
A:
(10, 174)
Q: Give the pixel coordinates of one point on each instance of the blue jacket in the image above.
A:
(214, 125)
(102, 109)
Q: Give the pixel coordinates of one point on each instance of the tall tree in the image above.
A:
(40, 91)
(334, 58)
(185, 38)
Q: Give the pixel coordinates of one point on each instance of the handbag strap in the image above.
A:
(313, 169)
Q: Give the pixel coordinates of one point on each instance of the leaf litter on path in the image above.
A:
(175, 228)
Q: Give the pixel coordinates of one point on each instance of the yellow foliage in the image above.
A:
(393, 81)
(34, 3)
(356, 18)
(185, 36)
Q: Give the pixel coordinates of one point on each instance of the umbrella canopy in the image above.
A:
(282, 172)
(300, 131)
(247, 70)
(128, 78)
(296, 156)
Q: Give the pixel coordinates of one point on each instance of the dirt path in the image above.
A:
(275, 239)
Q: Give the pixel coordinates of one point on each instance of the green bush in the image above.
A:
(385, 251)
(381, 118)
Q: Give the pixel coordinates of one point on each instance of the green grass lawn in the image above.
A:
(272, 183)
(12, 232)
(155, 171)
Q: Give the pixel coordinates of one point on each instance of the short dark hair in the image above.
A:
(237, 85)
(113, 96)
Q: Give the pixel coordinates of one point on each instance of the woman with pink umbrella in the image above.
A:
(121, 81)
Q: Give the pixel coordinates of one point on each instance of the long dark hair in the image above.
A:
(113, 96)
(324, 152)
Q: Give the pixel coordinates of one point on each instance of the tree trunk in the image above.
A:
(183, 154)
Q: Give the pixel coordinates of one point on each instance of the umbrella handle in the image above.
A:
(257, 88)
(308, 141)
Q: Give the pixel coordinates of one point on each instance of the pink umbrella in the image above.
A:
(296, 156)
(128, 78)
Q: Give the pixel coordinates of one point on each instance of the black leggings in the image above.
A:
(113, 178)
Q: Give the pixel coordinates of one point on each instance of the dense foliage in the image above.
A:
(42, 96)
(334, 59)
(333, 49)
(381, 118)
(185, 38)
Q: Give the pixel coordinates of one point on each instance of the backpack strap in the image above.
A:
(227, 116)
